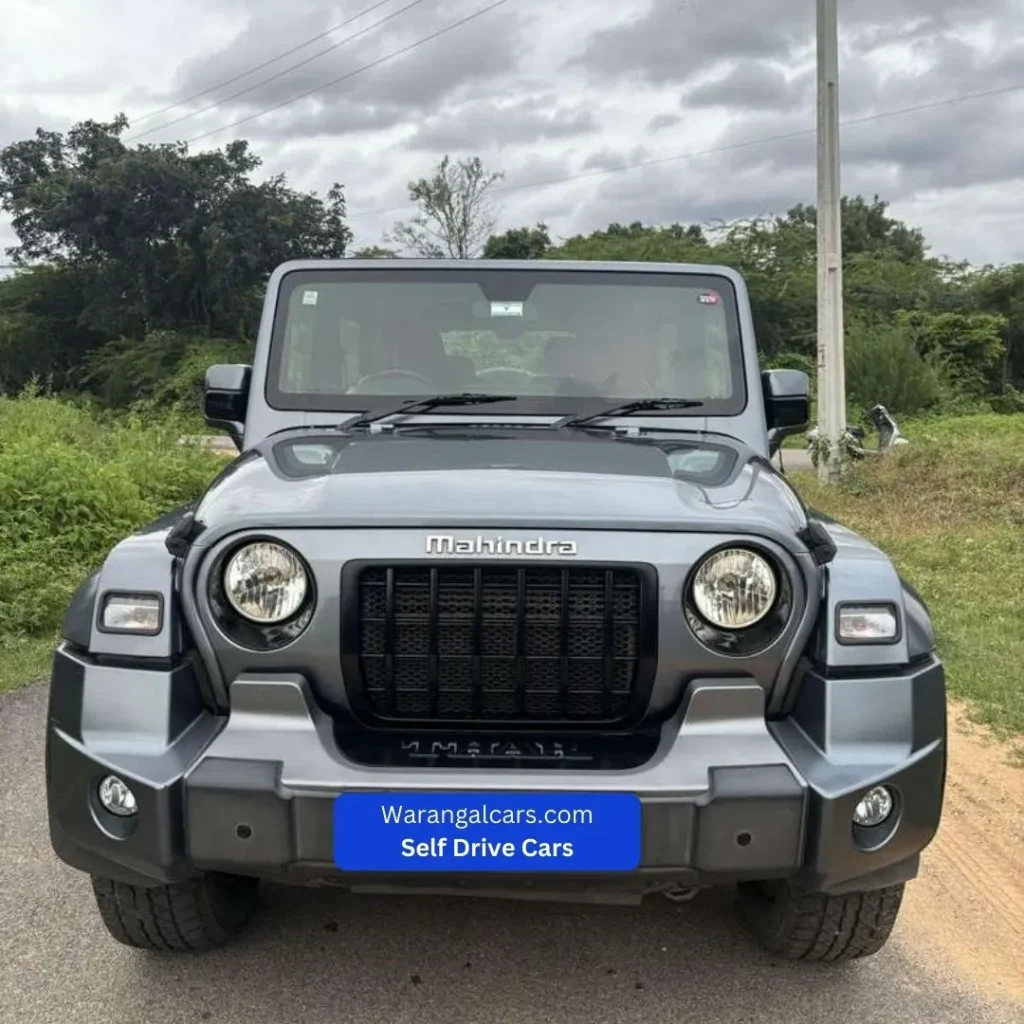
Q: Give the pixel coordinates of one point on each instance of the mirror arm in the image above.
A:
(776, 435)
(235, 430)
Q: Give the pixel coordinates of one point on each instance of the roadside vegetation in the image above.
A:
(949, 510)
(72, 484)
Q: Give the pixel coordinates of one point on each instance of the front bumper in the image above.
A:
(727, 796)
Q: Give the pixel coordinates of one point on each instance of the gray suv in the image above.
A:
(502, 595)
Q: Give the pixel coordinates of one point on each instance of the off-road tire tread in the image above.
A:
(817, 926)
(183, 917)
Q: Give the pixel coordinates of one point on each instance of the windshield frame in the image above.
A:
(515, 405)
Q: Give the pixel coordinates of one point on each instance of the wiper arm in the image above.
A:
(627, 409)
(413, 405)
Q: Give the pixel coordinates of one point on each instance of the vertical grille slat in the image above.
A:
(608, 665)
(501, 643)
(521, 666)
(390, 674)
(434, 609)
(564, 633)
(477, 642)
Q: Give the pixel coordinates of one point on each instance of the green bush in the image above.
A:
(884, 366)
(971, 345)
(163, 370)
(71, 486)
(1009, 402)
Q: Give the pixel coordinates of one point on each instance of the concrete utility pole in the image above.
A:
(831, 359)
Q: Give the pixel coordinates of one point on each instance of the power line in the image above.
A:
(260, 67)
(351, 74)
(600, 172)
(279, 74)
(694, 154)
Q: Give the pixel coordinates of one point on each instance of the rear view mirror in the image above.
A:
(787, 404)
(226, 398)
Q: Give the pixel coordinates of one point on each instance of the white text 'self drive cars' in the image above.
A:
(503, 593)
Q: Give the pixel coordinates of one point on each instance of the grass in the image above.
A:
(72, 484)
(24, 659)
(949, 511)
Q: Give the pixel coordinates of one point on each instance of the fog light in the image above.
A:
(117, 798)
(874, 807)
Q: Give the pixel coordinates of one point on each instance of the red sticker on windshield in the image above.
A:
(708, 298)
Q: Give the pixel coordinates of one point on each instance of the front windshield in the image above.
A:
(554, 340)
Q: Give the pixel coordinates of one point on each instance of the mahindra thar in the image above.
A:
(502, 595)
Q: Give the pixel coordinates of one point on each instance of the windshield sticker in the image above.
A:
(309, 298)
(708, 298)
(506, 309)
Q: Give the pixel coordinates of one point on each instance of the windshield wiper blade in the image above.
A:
(627, 409)
(413, 405)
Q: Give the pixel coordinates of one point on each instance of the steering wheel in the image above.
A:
(505, 376)
(393, 377)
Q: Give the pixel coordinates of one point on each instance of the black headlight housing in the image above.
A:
(741, 642)
(245, 632)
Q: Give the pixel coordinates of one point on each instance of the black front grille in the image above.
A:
(499, 643)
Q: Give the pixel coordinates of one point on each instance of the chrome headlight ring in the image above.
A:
(738, 600)
(262, 594)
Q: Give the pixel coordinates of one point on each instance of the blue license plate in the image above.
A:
(414, 831)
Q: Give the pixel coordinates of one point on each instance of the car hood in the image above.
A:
(525, 478)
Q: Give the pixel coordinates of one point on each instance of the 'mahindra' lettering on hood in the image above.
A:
(538, 547)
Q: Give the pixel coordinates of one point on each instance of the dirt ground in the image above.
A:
(967, 905)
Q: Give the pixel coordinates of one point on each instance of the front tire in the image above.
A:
(818, 926)
(194, 915)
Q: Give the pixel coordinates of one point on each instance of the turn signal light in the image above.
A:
(867, 624)
(141, 614)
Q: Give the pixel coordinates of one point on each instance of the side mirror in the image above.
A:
(226, 398)
(787, 404)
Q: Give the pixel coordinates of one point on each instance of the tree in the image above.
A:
(867, 227)
(374, 252)
(519, 244)
(675, 243)
(1001, 290)
(173, 238)
(971, 345)
(40, 330)
(455, 216)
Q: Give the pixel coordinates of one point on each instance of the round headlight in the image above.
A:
(734, 588)
(265, 582)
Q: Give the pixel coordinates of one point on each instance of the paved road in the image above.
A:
(793, 460)
(320, 956)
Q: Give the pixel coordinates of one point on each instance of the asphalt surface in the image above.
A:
(322, 956)
(793, 460)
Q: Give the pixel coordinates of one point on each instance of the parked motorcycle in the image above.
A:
(889, 435)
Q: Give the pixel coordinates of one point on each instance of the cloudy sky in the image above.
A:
(561, 96)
